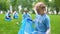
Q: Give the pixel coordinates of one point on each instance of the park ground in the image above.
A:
(13, 26)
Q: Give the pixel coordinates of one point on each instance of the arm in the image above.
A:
(7, 15)
(36, 22)
(48, 26)
(23, 16)
(48, 31)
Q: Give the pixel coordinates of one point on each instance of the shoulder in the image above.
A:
(47, 17)
(37, 16)
(24, 15)
(28, 13)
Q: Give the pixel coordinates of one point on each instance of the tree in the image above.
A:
(14, 4)
(57, 5)
(4, 5)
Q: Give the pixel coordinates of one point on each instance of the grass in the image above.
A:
(10, 27)
(55, 24)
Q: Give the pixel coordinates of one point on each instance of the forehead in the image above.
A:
(40, 4)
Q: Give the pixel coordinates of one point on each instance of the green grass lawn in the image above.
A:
(10, 27)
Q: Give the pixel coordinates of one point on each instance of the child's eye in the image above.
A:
(43, 7)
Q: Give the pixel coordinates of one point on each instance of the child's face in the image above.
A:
(14, 11)
(40, 8)
(26, 11)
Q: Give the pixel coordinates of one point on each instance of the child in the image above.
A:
(26, 27)
(42, 20)
(8, 16)
(15, 15)
(26, 15)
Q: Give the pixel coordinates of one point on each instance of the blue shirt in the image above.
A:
(26, 25)
(42, 23)
(26, 16)
(15, 15)
(7, 14)
(8, 17)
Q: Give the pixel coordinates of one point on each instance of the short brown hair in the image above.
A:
(39, 5)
